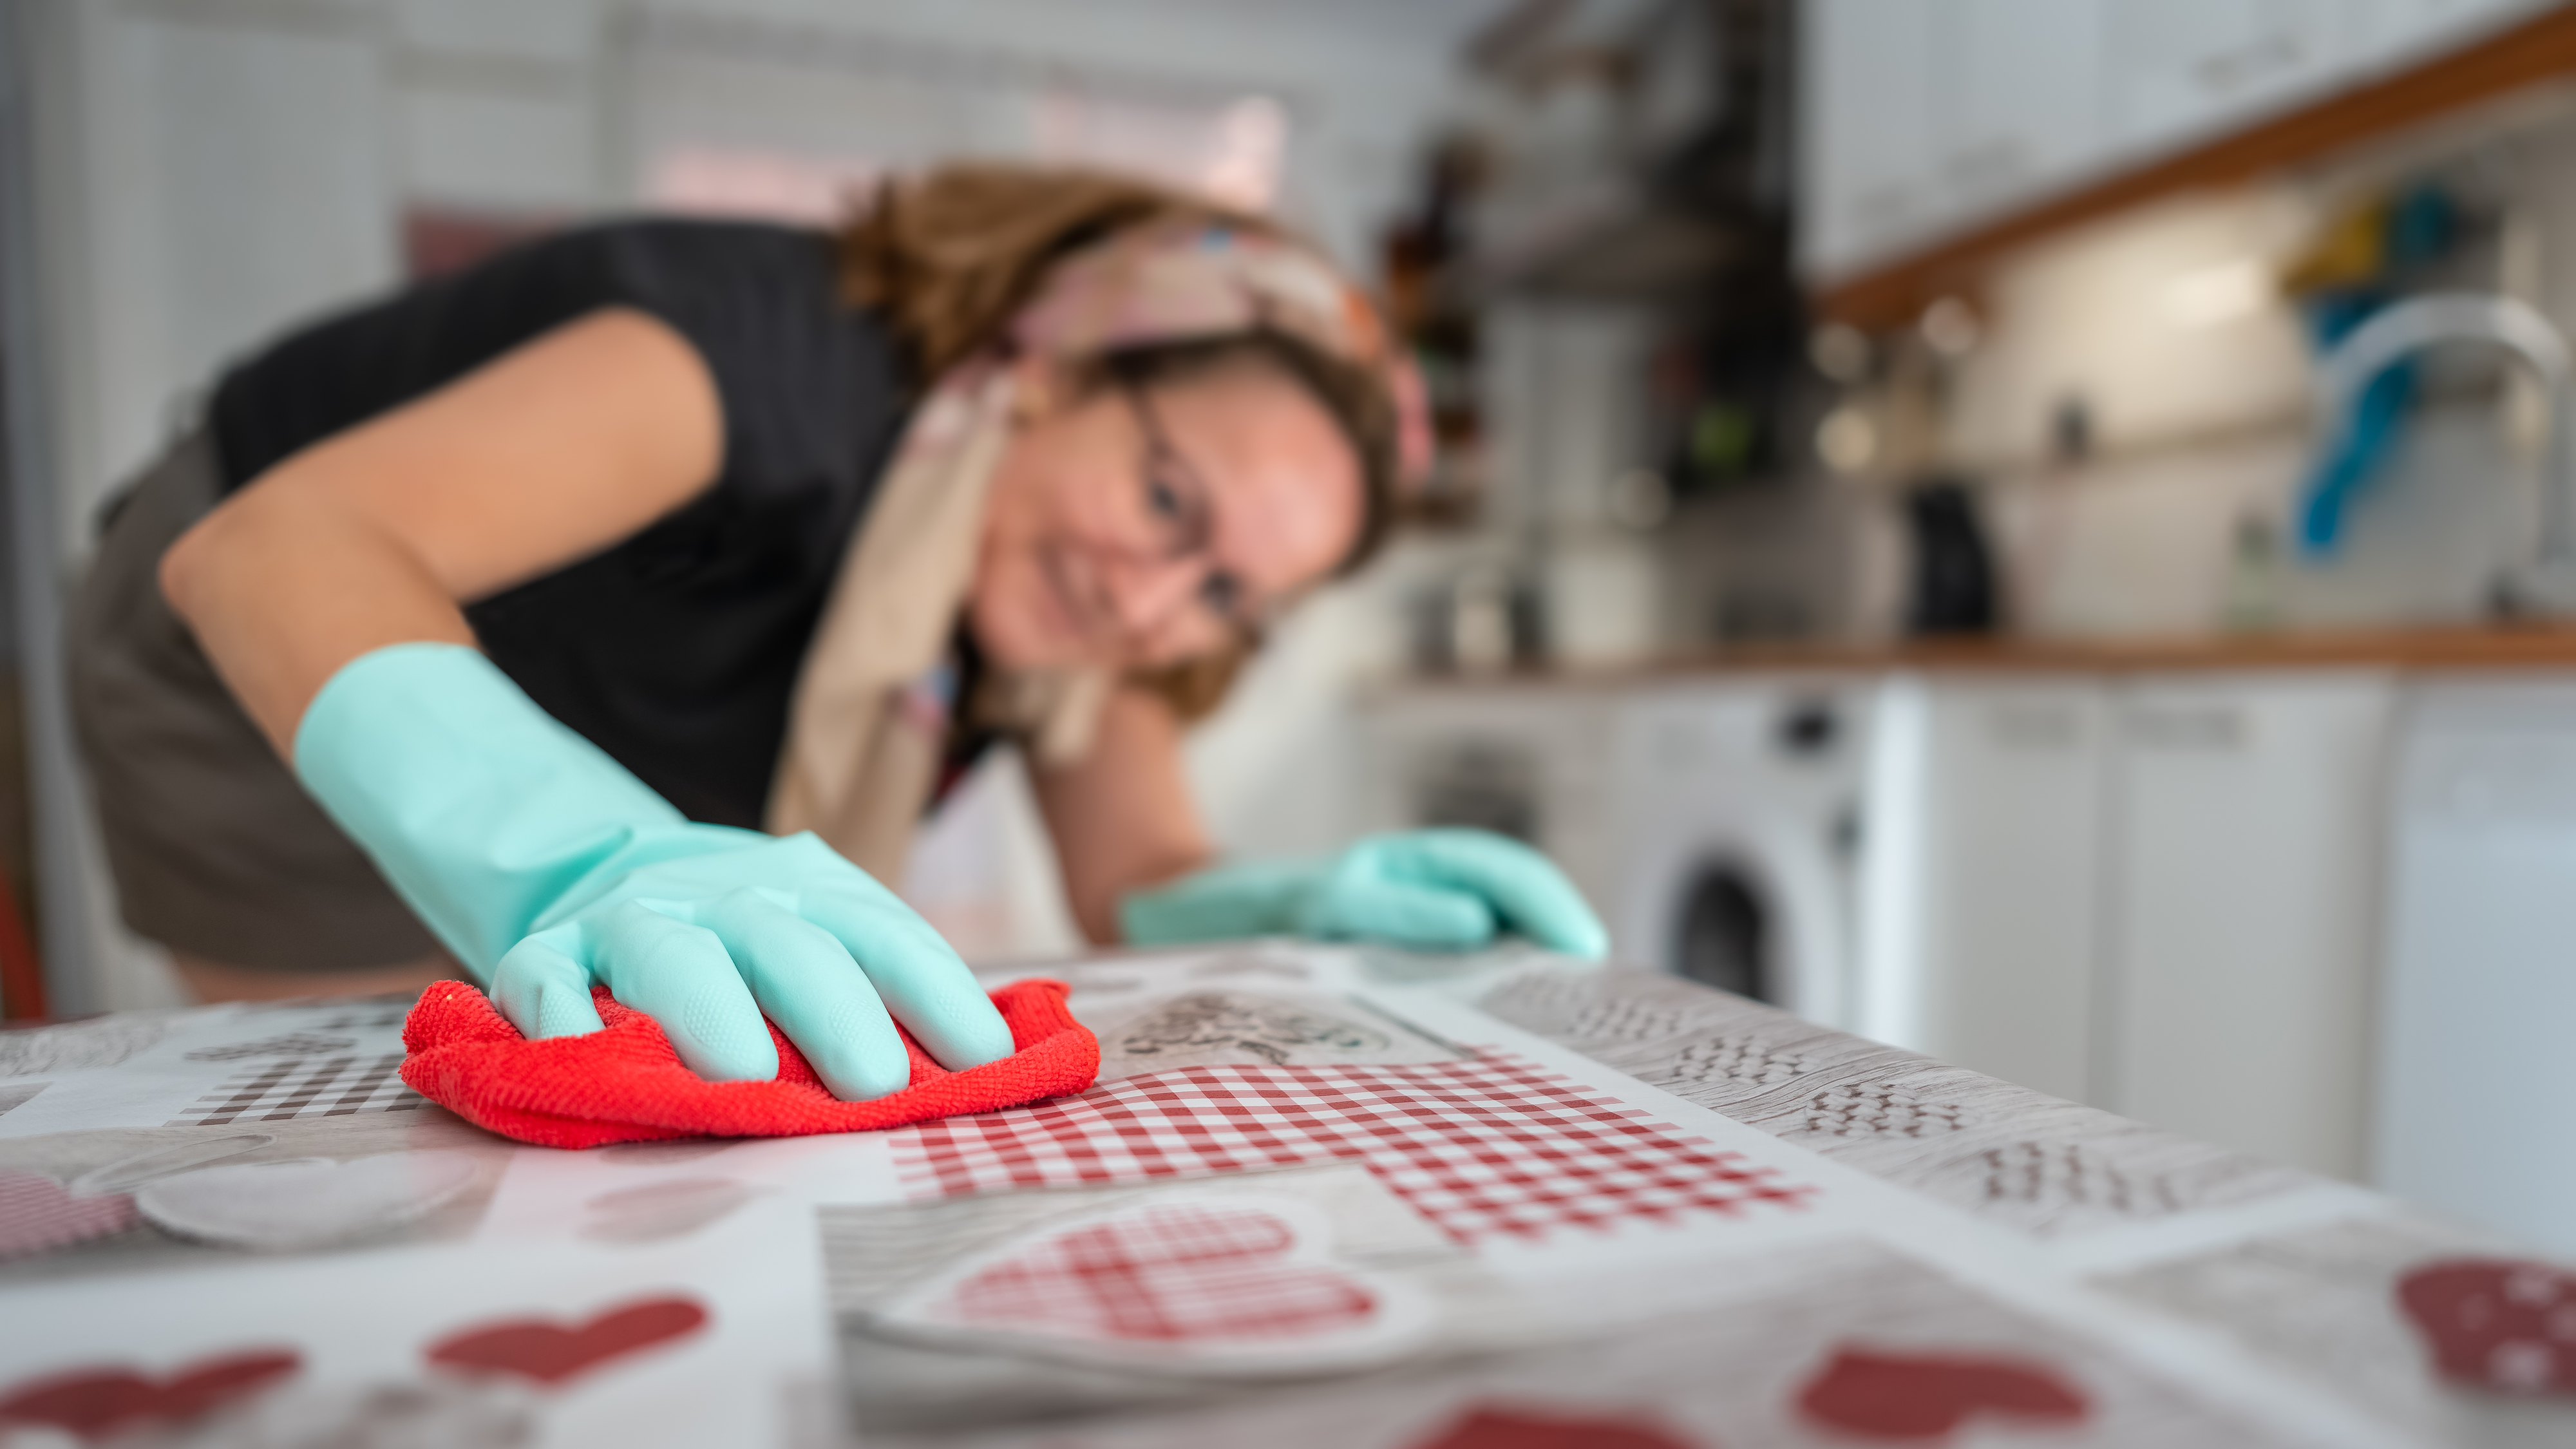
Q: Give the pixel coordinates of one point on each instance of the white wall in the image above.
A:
(2198, 391)
(210, 171)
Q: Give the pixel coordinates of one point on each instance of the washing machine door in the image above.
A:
(1761, 912)
(1722, 932)
(1737, 822)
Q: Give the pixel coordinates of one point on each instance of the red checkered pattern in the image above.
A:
(38, 1215)
(1178, 1273)
(1483, 1148)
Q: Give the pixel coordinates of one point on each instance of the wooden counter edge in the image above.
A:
(2409, 650)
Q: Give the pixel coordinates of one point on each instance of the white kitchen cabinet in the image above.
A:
(1926, 118)
(2398, 31)
(2021, 97)
(2156, 895)
(1868, 179)
(1980, 875)
(1923, 114)
(2240, 911)
(2184, 69)
(2475, 1099)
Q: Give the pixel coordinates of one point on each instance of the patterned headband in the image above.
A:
(1174, 280)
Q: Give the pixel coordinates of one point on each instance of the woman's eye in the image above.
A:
(1162, 498)
(1221, 594)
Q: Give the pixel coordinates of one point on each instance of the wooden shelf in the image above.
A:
(2537, 51)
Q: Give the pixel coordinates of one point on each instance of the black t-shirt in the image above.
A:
(676, 650)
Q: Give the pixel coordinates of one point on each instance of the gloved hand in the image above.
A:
(1446, 889)
(545, 866)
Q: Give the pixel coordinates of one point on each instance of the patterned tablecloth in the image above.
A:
(1319, 1196)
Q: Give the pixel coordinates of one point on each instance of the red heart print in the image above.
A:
(2496, 1323)
(549, 1353)
(1928, 1396)
(93, 1403)
(1484, 1428)
(1173, 1273)
(37, 1215)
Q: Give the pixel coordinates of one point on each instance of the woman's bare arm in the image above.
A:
(1122, 818)
(379, 535)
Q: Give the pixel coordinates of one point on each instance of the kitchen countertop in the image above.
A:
(1321, 1196)
(2531, 647)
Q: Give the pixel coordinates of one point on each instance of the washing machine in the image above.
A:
(1734, 835)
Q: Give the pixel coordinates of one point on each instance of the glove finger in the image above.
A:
(806, 982)
(543, 991)
(1404, 913)
(680, 976)
(1524, 887)
(918, 975)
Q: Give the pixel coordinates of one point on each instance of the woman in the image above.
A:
(621, 603)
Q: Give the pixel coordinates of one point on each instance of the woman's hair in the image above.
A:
(950, 256)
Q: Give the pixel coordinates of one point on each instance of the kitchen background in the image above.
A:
(1890, 544)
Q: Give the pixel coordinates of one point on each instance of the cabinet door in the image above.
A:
(2247, 821)
(1869, 175)
(1979, 875)
(2394, 33)
(2021, 96)
(2475, 1098)
(2183, 68)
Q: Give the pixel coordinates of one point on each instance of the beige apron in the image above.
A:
(863, 745)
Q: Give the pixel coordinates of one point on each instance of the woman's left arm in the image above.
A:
(1122, 817)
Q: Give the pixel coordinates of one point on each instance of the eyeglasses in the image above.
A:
(1176, 499)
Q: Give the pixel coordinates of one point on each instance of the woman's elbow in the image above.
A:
(226, 554)
(190, 562)
(1097, 919)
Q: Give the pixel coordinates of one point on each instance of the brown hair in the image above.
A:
(948, 256)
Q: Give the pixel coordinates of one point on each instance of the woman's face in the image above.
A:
(1133, 527)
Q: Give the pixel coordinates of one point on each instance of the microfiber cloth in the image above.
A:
(627, 1084)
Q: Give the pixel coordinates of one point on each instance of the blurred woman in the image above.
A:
(611, 612)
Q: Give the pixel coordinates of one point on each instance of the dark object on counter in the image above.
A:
(1954, 568)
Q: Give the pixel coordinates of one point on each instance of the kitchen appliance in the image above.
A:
(1736, 820)
(1953, 588)
(1714, 824)
(2476, 1109)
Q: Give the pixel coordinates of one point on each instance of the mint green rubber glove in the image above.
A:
(1445, 890)
(545, 866)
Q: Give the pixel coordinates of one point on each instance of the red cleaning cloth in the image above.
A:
(626, 1084)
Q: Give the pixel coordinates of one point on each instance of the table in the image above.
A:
(1320, 1196)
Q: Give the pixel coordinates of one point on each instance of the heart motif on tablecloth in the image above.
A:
(1243, 1281)
(2496, 1323)
(304, 1202)
(1880, 1395)
(93, 1403)
(1513, 1428)
(38, 1215)
(547, 1352)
